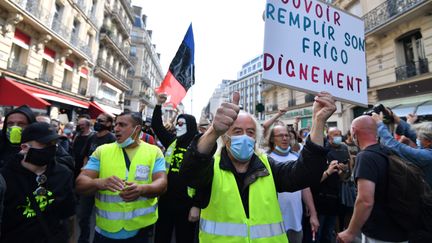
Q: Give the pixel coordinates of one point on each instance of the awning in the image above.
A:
(405, 109)
(109, 109)
(424, 109)
(33, 94)
(95, 110)
(15, 94)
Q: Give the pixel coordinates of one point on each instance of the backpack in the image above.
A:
(408, 198)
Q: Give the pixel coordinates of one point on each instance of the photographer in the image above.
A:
(420, 156)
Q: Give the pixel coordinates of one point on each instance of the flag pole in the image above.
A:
(193, 82)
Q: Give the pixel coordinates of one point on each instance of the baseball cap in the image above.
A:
(39, 131)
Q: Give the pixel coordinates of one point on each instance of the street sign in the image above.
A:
(311, 46)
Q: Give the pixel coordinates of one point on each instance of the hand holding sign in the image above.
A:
(226, 114)
(323, 107)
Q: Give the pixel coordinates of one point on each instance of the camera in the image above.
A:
(388, 117)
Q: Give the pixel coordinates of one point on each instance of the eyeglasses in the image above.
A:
(40, 191)
(180, 124)
(282, 135)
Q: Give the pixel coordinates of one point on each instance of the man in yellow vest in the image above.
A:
(241, 182)
(126, 177)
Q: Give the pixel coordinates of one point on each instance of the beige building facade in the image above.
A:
(146, 73)
(50, 45)
(112, 64)
(399, 55)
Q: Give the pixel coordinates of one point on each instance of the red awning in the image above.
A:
(13, 94)
(8, 94)
(95, 110)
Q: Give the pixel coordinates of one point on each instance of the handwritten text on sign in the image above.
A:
(312, 47)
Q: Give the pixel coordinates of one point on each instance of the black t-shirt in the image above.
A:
(373, 167)
(94, 141)
(77, 151)
(19, 222)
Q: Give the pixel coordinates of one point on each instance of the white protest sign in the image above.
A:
(311, 46)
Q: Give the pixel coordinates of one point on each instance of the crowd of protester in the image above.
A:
(129, 179)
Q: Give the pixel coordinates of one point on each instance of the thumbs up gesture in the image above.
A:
(226, 114)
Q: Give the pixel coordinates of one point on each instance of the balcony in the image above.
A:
(67, 86)
(122, 22)
(106, 70)
(107, 36)
(46, 78)
(412, 69)
(82, 91)
(17, 67)
(388, 11)
(46, 18)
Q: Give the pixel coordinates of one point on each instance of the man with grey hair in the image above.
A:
(420, 156)
(239, 182)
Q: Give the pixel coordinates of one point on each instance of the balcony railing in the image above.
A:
(110, 69)
(121, 20)
(17, 67)
(47, 18)
(107, 34)
(387, 11)
(46, 78)
(67, 86)
(412, 69)
(82, 91)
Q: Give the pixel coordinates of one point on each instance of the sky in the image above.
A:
(227, 34)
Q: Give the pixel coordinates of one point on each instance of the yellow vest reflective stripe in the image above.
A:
(113, 198)
(112, 213)
(224, 219)
(126, 215)
(228, 229)
(169, 153)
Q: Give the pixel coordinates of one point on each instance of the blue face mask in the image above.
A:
(282, 151)
(337, 140)
(128, 141)
(418, 142)
(242, 147)
(67, 131)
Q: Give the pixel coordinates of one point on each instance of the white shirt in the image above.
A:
(290, 202)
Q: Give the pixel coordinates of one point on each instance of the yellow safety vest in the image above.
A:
(224, 219)
(114, 214)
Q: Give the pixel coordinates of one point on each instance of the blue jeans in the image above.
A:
(326, 229)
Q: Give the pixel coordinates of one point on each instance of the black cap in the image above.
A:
(39, 131)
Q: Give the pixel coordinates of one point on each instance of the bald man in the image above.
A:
(370, 217)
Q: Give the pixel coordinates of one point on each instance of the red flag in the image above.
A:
(180, 76)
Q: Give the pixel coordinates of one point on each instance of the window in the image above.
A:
(57, 15)
(67, 80)
(46, 72)
(127, 102)
(93, 7)
(411, 56)
(18, 60)
(133, 51)
(82, 88)
(75, 28)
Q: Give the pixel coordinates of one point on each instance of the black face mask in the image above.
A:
(41, 157)
(99, 127)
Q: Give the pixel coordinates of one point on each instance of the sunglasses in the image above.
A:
(41, 191)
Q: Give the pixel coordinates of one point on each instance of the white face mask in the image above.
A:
(181, 128)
